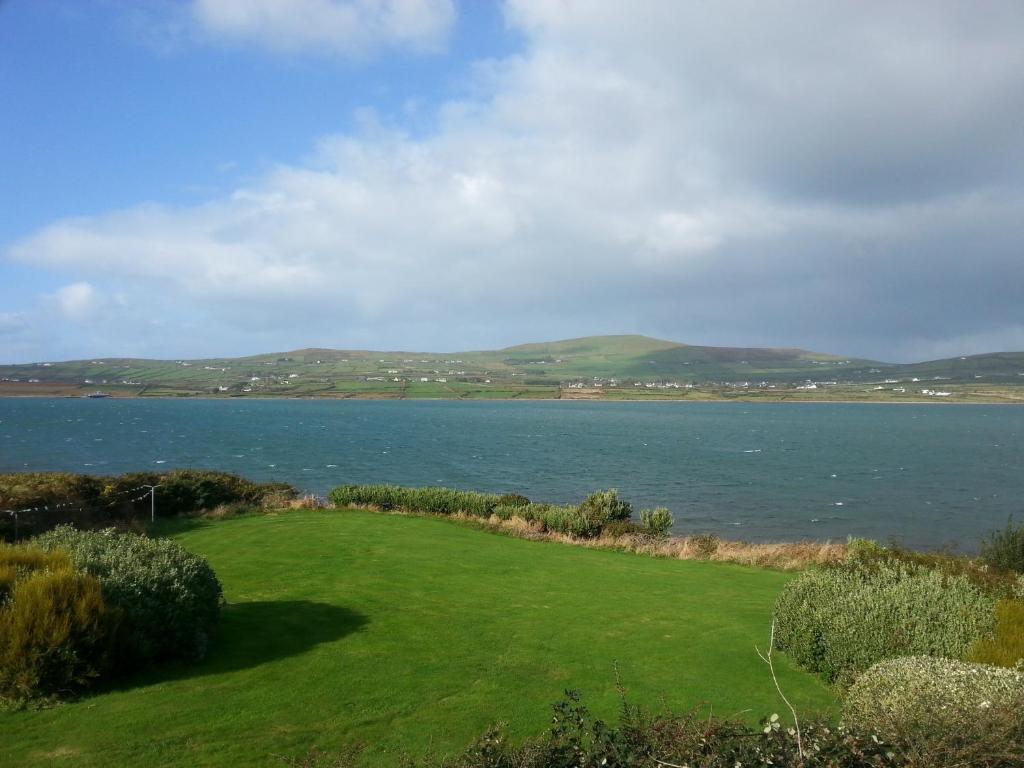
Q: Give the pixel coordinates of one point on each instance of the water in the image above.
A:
(927, 475)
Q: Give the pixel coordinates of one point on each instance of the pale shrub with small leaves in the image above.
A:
(169, 598)
(840, 621)
(657, 522)
(923, 689)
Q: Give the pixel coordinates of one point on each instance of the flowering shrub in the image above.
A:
(839, 621)
(169, 599)
(944, 712)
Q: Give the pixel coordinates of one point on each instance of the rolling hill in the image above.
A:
(603, 366)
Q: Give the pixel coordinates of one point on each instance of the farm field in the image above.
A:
(412, 635)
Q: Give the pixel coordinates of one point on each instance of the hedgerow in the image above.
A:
(839, 621)
(169, 599)
(585, 520)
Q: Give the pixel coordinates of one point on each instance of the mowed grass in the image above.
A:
(412, 635)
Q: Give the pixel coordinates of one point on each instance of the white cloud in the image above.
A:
(345, 27)
(811, 177)
(78, 301)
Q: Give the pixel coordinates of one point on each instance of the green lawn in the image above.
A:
(412, 635)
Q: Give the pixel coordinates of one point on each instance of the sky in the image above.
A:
(189, 178)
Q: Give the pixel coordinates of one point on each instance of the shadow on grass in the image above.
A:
(256, 633)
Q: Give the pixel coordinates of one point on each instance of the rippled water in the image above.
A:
(929, 475)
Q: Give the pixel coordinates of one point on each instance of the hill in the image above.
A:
(596, 366)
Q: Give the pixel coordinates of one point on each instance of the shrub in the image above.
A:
(942, 711)
(55, 629)
(577, 739)
(656, 522)
(618, 528)
(513, 500)
(866, 554)
(169, 599)
(706, 545)
(434, 501)
(606, 506)
(1003, 550)
(1006, 647)
(840, 621)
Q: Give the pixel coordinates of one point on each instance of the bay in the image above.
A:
(928, 476)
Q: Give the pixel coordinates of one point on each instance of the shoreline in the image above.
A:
(738, 401)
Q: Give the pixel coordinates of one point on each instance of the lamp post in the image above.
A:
(152, 501)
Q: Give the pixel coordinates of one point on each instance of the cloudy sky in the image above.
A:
(223, 177)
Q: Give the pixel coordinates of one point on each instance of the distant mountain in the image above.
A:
(539, 369)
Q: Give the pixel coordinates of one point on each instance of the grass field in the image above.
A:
(411, 635)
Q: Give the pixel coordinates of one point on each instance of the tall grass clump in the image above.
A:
(169, 599)
(1003, 550)
(839, 621)
(55, 626)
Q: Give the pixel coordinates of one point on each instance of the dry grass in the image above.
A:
(787, 556)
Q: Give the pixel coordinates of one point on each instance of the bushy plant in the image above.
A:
(656, 522)
(945, 712)
(1005, 648)
(606, 506)
(169, 599)
(706, 545)
(866, 554)
(433, 501)
(1003, 550)
(578, 739)
(839, 621)
(55, 627)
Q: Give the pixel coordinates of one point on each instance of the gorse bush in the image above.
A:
(943, 711)
(1003, 550)
(839, 621)
(1005, 648)
(55, 626)
(169, 599)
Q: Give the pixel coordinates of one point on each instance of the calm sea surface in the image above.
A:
(928, 475)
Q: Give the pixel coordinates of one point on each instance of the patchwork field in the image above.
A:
(412, 635)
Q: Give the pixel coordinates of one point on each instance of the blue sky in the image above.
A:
(218, 177)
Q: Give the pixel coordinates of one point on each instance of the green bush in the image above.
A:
(866, 554)
(943, 711)
(1005, 648)
(55, 629)
(169, 599)
(839, 621)
(656, 522)
(578, 739)
(1003, 550)
(606, 506)
(434, 501)
(584, 521)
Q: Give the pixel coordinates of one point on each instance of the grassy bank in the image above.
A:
(412, 635)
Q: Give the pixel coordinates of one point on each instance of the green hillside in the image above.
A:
(597, 366)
